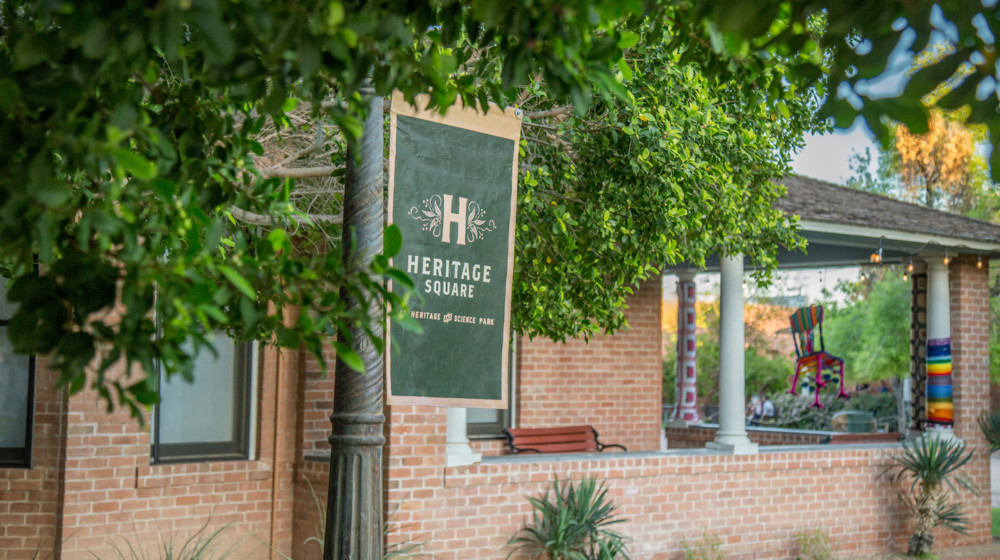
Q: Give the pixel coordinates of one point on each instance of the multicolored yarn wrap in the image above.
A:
(940, 407)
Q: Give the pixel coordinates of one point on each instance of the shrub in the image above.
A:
(923, 473)
(572, 522)
(796, 411)
(708, 547)
(813, 546)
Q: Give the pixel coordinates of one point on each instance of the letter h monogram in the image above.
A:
(454, 217)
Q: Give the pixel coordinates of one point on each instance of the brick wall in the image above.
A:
(315, 403)
(970, 348)
(111, 496)
(612, 382)
(757, 504)
(114, 495)
(29, 498)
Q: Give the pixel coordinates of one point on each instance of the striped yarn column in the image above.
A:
(940, 407)
(686, 407)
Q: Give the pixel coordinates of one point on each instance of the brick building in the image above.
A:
(76, 481)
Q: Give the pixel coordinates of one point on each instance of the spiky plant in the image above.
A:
(203, 544)
(989, 423)
(931, 467)
(572, 522)
(392, 551)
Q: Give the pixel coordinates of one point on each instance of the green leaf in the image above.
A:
(136, 164)
(238, 280)
(408, 323)
(334, 15)
(393, 241)
(626, 70)
(31, 50)
(628, 40)
(400, 277)
(348, 356)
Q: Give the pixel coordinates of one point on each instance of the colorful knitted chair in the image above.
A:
(807, 323)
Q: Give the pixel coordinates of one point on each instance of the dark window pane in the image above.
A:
(207, 418)
(16, 393)
(15, 373)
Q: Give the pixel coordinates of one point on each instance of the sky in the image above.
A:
(827, 156)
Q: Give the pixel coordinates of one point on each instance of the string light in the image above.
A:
(979, 261)
(906, 277)
(947, 259)
(863, 277)
(909, 267)
(876, 257)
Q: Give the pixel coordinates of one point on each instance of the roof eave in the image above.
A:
(932, 241)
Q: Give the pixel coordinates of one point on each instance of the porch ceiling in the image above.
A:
(842, 227)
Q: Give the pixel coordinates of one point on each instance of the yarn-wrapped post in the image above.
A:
(940, 406)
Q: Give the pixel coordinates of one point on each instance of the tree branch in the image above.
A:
(298, 172)
(555, 112)
(265, 220)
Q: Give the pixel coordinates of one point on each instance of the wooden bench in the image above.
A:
(875, 437)
(568, 439)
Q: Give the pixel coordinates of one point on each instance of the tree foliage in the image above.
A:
(871, 329)
(935, 165)
(133, 172)
(678, 169)
(854, 49)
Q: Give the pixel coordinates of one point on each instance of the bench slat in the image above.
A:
(533, 440)
(559, 447)
(562, 439)
(516, 432)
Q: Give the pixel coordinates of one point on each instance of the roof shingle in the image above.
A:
(821, 201)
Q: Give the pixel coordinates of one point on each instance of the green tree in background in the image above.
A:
(767, 369)
(871, 329)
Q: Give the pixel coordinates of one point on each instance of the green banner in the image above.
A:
(451, 195)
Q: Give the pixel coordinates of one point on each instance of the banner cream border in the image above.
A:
(504, 123)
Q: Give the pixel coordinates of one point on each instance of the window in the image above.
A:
(484, 423)
(17, 380)
(209, 418)
(487, 423)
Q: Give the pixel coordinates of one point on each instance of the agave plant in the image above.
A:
(572, 522)
(931, 467)
(989, 423)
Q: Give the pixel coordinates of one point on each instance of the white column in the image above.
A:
(686, 376)
(939, 401)
(732, 434)
(457, 442)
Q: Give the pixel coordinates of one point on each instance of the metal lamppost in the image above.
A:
(354, 504)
